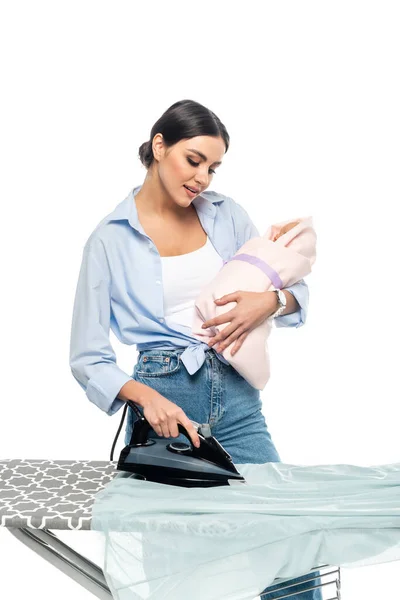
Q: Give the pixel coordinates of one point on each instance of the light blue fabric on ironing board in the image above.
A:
(231, 542)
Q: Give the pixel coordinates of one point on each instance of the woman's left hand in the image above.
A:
(251, 310)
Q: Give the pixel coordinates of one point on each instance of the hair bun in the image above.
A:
(146, 153)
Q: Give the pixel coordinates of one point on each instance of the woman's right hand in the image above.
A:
(164, 416)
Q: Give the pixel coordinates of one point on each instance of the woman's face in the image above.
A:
(190, 162)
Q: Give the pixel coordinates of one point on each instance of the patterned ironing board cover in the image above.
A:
(51, 494)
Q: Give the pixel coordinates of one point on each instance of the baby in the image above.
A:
(255, 267)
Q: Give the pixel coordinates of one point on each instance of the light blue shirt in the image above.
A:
(120, 287)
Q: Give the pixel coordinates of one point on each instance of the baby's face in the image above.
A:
(285, 229)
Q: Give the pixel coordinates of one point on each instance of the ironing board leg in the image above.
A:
(285, 592)
(85, 572)
(50, 547)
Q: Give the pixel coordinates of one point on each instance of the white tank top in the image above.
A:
(184, 277)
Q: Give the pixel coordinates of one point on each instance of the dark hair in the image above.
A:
(184, 119)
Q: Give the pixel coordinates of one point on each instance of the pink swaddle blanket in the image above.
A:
(260, 265)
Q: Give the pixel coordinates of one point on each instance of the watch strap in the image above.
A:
(282, 305)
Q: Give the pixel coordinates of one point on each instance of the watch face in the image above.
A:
(282, 297)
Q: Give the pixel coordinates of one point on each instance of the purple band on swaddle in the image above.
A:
(261, 264)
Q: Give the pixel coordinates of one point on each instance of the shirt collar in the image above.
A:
(126, 210)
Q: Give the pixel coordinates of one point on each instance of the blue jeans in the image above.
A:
(218, 395)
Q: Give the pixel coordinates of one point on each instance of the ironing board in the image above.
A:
(37, 496)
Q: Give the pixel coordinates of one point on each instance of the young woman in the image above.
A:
(143, 267)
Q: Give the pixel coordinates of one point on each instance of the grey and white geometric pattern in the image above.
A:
(51, 494)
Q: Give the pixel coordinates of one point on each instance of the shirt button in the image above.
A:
(158, 281)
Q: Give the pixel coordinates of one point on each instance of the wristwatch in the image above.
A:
(282, 303)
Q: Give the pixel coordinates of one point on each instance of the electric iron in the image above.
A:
(176, 463)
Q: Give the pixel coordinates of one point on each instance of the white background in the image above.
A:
(309, 93)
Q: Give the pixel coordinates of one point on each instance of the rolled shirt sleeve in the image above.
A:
(92, 357)
(246, 230)
(298, 318)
